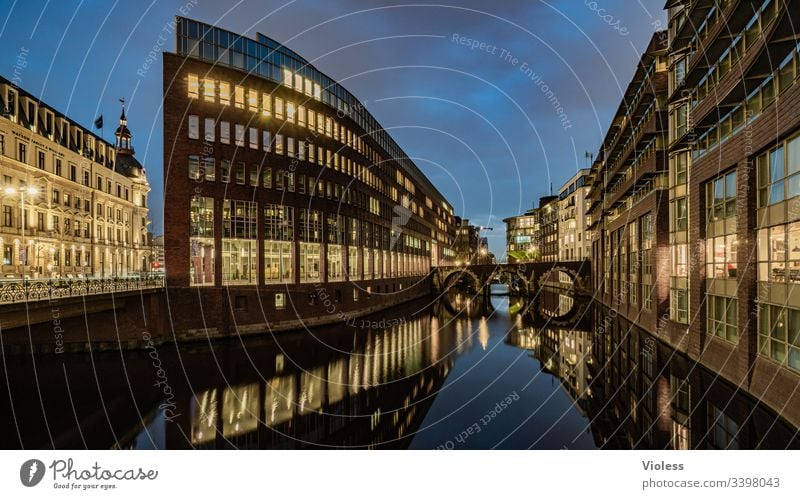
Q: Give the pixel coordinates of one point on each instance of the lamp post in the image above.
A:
(31, 191)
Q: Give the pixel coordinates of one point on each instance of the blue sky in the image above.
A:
(482, 121)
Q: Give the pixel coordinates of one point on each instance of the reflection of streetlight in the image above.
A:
(31, 191)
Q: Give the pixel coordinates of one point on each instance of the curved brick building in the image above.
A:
(285, 198)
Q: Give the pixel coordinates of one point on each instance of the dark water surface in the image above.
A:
(456, 374)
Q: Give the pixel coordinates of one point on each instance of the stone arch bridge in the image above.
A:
(529, 278)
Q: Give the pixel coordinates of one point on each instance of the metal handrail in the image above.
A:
(27, 290)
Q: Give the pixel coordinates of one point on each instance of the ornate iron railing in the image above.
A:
(26, 290)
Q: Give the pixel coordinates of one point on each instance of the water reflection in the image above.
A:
(439, 369)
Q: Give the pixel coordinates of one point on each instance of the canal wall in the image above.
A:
(137, 319)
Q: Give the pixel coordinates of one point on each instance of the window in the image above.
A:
(266, 104)
(290, 146)
(225, 93)
(352, 263)
(779, 334)
(278, 144)
(335, 263)
(309, 262)
(266, 142)
(679, 305)
(201, 241)
(779, 173)
(240, 173)
(22, 153)
(721, 257)
(252, 100)
(239, 135)
(194, 86)
(194, 127)
(278, 107)
(209, 91)
(779, 253)
(225, 132)
(278, 261)
(225, 170)
(253, 138)
(680, 214)
(207, 167)
(721, 317)
(266, 177)
(721, 197)
(209, 129)
(239, 261)
(41, 161)
(680, 260)
(8, 216)
(239, 97)
(723, 431)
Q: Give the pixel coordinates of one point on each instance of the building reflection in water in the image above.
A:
(636, 392)
(372, 388)
(375, 395)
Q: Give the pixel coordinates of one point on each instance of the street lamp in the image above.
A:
(31, 191)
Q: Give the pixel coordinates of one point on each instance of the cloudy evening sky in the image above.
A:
(473, 119)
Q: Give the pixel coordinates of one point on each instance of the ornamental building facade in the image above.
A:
(73, 205)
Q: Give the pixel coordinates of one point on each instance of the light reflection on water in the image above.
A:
(465, 372)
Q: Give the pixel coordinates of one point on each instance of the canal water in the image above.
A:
(459, 372)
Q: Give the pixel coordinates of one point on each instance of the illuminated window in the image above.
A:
(225, 93)
(278, 108)
(239, 97)
(266, 104)
(301, 115)
(194, 86)
(779, 253)
(290, 112)
(317, 91)
(208, 90)
(252, 100)
(201, 241)
(278, 251)
(721, 257)
(278, 143)
(287, 77)
(239, 261)
(290, 146)
(298, 82)
(309, 262)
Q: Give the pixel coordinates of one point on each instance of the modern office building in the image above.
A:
(703, 246)
(523, 237)
(628, 196)
(548, 220)
(734, 152)
(284, 192)
(573, 205)
(73, 205)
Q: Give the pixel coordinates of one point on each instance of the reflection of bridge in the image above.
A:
(529, 277)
